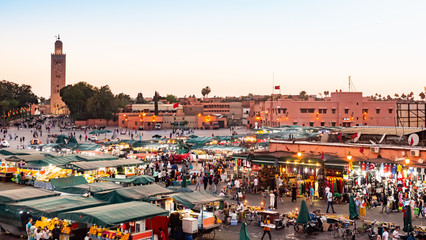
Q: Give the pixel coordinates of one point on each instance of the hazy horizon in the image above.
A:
(234, 47)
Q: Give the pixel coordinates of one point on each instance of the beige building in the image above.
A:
(57, 80)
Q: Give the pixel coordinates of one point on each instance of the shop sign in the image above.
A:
(255, 167)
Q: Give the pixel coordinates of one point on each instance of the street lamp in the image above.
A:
(407, 161)
(299, 154)
(349, 156)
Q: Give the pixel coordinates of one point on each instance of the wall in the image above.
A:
(97, 122)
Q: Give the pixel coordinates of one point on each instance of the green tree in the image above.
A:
(205, 91)
(303, 95)
(172, 98)
(76, 97)
(123, 100)
(103, 104)
(422, 95)
(139, 99)
(14, 96)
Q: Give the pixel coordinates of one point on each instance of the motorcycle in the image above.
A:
(315, 225)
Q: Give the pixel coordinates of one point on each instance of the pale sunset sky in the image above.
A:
(179, 47)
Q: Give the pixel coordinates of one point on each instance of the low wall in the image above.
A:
(97, 122)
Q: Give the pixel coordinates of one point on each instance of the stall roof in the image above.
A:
(98, 157)
(17, 195)
(37, 156)
(398, 131)
(86, 147)
(89, 187)
(10, 153)
(138, 179)
(114, 214)
(86, 166)
(132, 193)
(68, 181)
(50, 207)
(192, 199)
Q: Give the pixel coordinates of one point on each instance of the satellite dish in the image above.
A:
(413, 138)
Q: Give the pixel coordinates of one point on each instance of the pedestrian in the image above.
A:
(87, 237)
(271, 200)
(395, 234)
(205, 181)
(312, 193)
(198, 183)
(330, 201)
(385, 203)
(28, 228)
(56, 232)
(363, 210)
(256, 184)
(293, 193)
(216, 182)
(266, 230)
(162, 235)
(46, 233)
(38, 235)
(385, 235)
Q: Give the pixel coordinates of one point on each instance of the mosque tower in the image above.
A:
(57, 79)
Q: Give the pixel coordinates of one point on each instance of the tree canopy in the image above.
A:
(13, 96)
(86, 101)
(205, 91)
(172, 98)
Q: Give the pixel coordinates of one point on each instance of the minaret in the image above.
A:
(57, 79)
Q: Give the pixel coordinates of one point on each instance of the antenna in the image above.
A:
(349, 83)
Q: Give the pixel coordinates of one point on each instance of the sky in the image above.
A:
(235, 47)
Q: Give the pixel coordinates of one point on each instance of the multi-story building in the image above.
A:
(344, 109)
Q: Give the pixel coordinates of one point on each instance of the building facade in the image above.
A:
(341, 109)
(57, 79)
(411, 114)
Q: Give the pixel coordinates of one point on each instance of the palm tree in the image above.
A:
(205, 91)
(422, 95)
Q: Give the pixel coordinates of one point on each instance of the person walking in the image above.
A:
(56, 232)
(256, 184)
(205, 181)
(271, 200)
(311, 193)
(266, 230)
(363, 210)
(385, 235)
(330, 201)
(28, 228)
(385, 203)
(293, 193)
(198, 183)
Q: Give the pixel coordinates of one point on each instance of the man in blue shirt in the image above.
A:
(311, 195)
(28, 227)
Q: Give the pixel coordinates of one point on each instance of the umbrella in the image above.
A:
(61, 139)
(353, 214)
(156, 136)
(408, 224)
(244, 235)
(303, 213)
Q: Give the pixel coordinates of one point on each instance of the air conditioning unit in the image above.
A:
(415, 153)
(375, 149)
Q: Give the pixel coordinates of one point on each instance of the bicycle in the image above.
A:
(251, 216)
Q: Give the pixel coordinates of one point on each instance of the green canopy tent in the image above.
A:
(97, 157)
(72, 140)
(136, 180)
(408, 222)
(193, 136)
(303, 216)
(115, 214)
(61, 139)
(93, 165)
(22, 194)
(88, 188)
(192, 199)
(353, 214)
(181, 189)
(134, 193)
(244, 235)
(50, 207)
(68, 181)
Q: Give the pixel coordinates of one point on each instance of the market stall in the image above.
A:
(151, 192)
(132, 180)
(121, 221)
(88, 188)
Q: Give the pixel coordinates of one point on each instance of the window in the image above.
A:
(324, 111)
(346, 124)
(364, 111)
(390, 110)
(311, 124)
(333, 111)
(122, 122)
(307, 110)
(136, 123)
(346, 111)
(322, 124)
(333, 124)
(378, 111)
(282, 110)
(294, 123)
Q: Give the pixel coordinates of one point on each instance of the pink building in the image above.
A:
(341, 109)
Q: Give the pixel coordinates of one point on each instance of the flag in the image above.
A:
(339, 137)
(361, 150)
(277, 87)
(412, 141)
(322, 155)
(288, 149)
(354, 135)
(175, 105)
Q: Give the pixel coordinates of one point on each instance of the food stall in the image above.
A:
(202, 221)
(153, 193)
(44, 212)
(130, 220)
